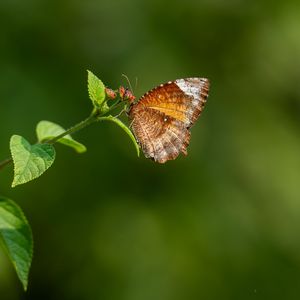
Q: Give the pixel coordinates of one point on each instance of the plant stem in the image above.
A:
(91, 119)
(114, 106)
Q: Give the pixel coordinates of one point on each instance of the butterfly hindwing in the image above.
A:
(163, 142)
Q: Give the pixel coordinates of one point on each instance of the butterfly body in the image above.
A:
(162, 117)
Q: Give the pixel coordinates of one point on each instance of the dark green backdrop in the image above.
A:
(222, 223)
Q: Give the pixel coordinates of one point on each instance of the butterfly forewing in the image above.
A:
(162, 117)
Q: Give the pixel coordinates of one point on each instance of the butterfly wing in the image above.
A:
(162, 117)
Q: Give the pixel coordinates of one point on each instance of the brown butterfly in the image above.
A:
(161, 119)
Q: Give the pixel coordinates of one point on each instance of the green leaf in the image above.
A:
(96, 90)
(125, 128)
(16, 237)
(47, 130)
(30, 161)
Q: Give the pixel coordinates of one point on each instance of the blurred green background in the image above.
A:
(221, 223)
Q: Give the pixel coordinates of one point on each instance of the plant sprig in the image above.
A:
(32, 160)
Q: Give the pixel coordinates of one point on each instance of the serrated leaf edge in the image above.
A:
(101, 105)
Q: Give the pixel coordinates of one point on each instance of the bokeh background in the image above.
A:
(221, 223)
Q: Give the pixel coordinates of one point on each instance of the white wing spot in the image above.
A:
(189, 89)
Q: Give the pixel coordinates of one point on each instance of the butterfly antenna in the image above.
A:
(126, 77)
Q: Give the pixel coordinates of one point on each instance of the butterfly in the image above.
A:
(162, 118)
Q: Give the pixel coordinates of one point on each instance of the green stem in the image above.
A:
(96, 115)
(114, 106)
(91, 119)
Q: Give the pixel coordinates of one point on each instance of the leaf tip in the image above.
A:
(16, 182)
(25, 285)
(82, 149)
(89, 73)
